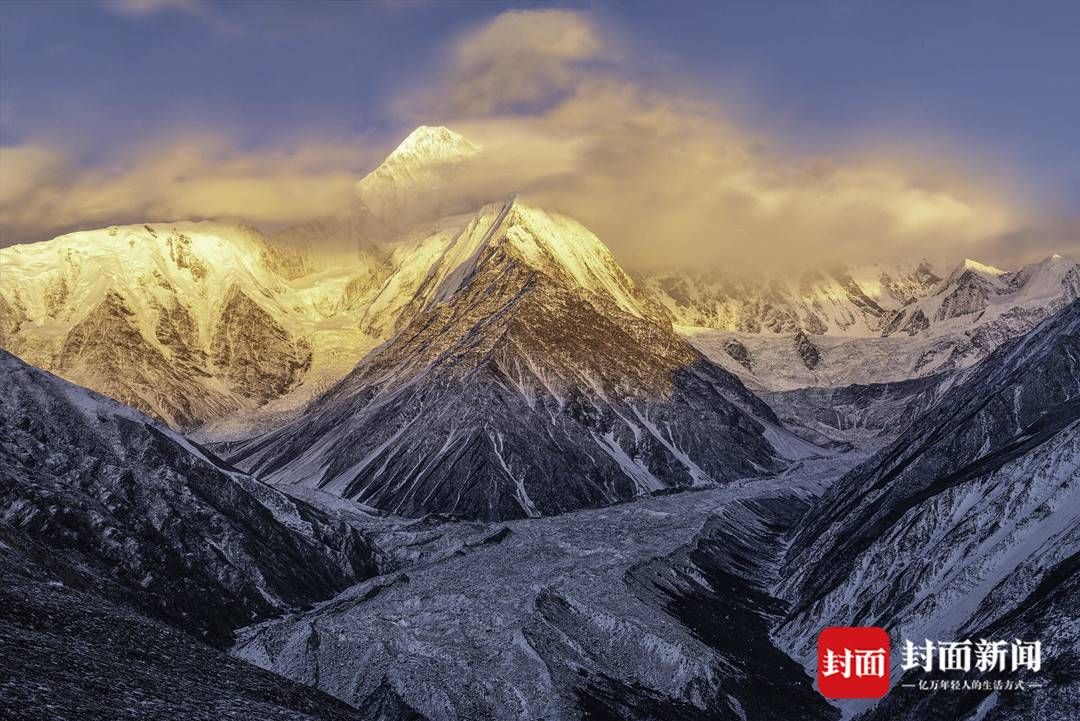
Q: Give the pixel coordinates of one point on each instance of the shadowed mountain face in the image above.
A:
(1019, 399)
(155, 521)
(68, 654)
(967, 524)
(531, 379)
(1050, 611)
(860, 413)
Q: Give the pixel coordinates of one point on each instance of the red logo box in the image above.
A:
(853, 662)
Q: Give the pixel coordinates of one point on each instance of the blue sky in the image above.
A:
(991, 85)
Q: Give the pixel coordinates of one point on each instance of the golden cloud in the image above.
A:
(662, 175)
(518, 60)
(44, 191)
(663, 180)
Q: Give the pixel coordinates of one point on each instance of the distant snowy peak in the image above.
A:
(417, 180)
(1053, 279)
(866, 301)
(974, 293)
(430, 144)
(870, 324)
(982, 268)
(892, 285)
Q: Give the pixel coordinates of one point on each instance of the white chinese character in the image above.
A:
(915, 657)
(954, 656)
(1027, 654)
(835, 664)
(869, 662)
(990, 655)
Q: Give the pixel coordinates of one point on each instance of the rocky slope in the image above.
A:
(969, 523)
(1049, 612)
(68, 654)
(157, 522)
(860, 414)
(530, 377)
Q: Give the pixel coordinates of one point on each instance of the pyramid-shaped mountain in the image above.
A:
(528, 377)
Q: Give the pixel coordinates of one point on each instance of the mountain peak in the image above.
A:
(417, 179)
(430, 143)
(975, 265)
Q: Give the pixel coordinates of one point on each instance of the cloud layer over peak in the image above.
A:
(658, 170)
(664, 176)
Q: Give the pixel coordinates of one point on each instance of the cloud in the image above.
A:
(207, 13)
(520, 58)
(664, 176)
(143, 8)
(661, 173)
(45, 191)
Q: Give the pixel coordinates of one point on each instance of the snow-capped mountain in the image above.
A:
(415, 181)
(203, 323)
(218, 327)
(148, 519)
(489, 367)
(863, 325)
(188, 321)
(529, 377)
(966, 521)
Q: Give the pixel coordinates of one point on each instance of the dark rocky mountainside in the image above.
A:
(1020, 398)
(156, 521)
(860, 413)
(68, 654)
(967, 524)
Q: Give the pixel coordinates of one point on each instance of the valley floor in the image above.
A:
(656, 608)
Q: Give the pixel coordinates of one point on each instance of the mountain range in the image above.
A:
(442, 457)
(185, 305)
